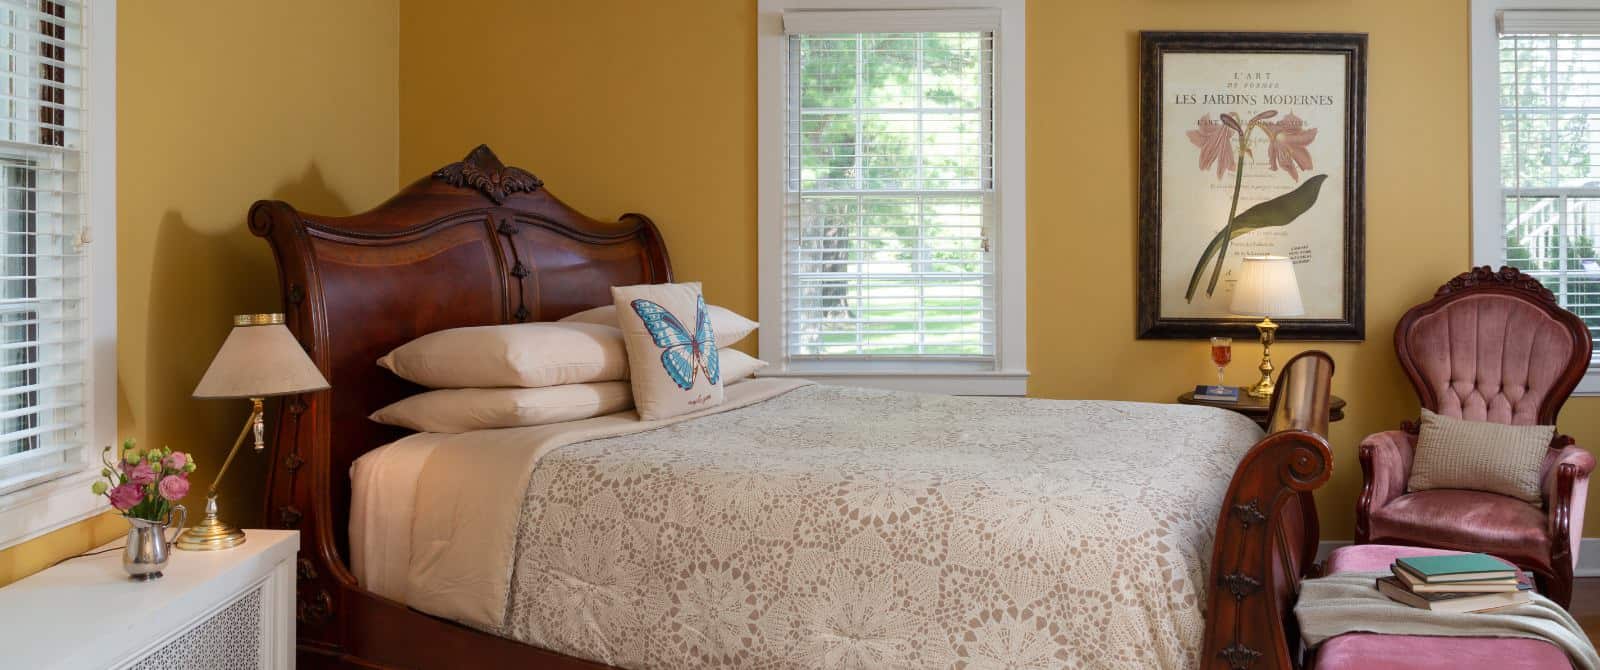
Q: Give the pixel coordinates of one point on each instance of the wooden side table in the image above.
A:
(1258, 408)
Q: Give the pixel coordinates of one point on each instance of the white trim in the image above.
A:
(1590, 384)
(36, 510)
(1488, 241)
(989, 383)
(800, 20)
(1010, 173)
(1588, 555)
(1588, 558)
(1550, 21)
(1326, 547)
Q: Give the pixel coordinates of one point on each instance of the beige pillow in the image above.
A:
(672, 349)
(1458, 454)
(737, 365)
(461, 410)
(529, 355)
(726, 323)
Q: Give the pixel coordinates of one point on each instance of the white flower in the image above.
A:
(854, 623)
(1009, 643)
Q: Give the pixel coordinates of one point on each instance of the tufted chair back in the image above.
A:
(1493, 346)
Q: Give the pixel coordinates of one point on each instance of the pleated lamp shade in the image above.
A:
(1267, 287)
(260, 358)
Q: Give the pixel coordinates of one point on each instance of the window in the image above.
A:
(57, 291)
(1536, 162)
(892, 211)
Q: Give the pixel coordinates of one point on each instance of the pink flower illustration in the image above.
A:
(1287, 141)
(174, 488)
(1215, 141)
(141, 474)
(125, 496)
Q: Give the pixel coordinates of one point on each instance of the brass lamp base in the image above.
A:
(211, 533)
(1264, 387)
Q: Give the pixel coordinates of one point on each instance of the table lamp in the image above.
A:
(260, 358)
(1266, 288)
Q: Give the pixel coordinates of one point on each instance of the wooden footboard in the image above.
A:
(1267, 531)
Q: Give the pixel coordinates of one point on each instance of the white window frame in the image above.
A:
(1010, 373)
(41, 508)
(1488, 238)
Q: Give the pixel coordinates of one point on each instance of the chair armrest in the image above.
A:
(1566, 491)
(1386, 463)
(1385, 467)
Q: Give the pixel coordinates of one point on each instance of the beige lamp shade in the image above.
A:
(1267, 287)
(260, 358)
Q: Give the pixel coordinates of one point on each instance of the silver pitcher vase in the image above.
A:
(147, 549)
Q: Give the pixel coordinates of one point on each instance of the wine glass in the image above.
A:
(1221, 355)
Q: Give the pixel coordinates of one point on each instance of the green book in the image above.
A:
(1457, 568)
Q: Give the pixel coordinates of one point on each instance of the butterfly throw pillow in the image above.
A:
(672, 350)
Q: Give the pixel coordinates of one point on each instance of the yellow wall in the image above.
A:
(221, 104)
(624, 105)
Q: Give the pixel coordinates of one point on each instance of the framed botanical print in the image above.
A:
(1251, 144)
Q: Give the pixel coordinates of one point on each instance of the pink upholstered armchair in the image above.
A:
(1489, 346)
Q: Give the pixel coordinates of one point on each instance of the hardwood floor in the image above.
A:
(1586, 606)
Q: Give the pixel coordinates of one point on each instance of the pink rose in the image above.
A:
(125, 496)
(141, 474)
(175, 460)
(174, 488)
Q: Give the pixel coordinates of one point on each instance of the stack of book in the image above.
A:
(1456, 583)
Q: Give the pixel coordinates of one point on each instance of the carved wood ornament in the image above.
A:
(1506, 277)
(482, 170)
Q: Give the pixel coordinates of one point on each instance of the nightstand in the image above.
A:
(1257, 408)
(213, 609)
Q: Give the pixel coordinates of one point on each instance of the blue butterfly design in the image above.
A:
(682, 354)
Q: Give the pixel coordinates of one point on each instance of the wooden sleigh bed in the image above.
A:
(478, 243)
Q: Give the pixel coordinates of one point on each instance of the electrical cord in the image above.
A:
(87, 554)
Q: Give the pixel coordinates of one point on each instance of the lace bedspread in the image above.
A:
(835, 527)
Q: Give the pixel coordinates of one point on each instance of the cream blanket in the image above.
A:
(839, 527)
(1349, 603)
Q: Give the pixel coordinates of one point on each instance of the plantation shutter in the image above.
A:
(43, 273)
(889, 220)
(1550, 152)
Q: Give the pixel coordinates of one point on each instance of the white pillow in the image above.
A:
(726, 323)
(529, 355)
(461, 410)
(737, 366)
(672, 348)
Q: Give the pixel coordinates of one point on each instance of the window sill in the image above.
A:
(1589, 385)
(44, 507)
(952, 382)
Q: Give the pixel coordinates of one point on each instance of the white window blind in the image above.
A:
(889, 213)
(43, 272)
(1549, 115)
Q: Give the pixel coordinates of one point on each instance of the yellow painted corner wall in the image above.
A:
(639, 105)
(221, 104)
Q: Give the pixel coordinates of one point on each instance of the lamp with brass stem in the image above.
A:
(1266, 288)
(259, 359)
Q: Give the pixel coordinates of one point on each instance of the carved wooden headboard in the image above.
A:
(474, 243)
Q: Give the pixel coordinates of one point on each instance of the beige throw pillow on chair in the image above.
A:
(1495, 457)
(672, 350)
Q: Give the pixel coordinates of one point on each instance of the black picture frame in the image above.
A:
(1153, 46)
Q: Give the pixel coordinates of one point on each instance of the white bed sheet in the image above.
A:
(383, 497)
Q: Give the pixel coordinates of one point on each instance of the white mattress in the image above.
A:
(383, 496)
